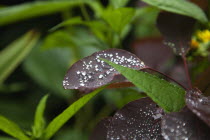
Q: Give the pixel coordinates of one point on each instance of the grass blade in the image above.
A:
(39, 121)
(12, 129)
(61, 119)
(12, 55)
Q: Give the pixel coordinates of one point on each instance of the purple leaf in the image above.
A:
(153, 52)
(184, 125)
(199, 104)
(91, 72)
(177, 31)
(139, 119)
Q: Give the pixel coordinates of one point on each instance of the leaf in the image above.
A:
(167, 95)
(61, 119)
(184, 125)
(90, 72)
(118, 18)
(39, 121)
(176, 30)
(28, 10)
(12, 55)
(182, 7)
(47, 68)
(199, 104)
(118, 3)
(139, 119)
(12, 129)
(153, 52)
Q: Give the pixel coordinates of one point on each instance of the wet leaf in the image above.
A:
(177, 31)
(184, 125)
(139, 119)
(182, 7)
(90, 72)
(199, 104)
(167, 95)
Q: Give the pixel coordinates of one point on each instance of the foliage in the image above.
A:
(151, 90)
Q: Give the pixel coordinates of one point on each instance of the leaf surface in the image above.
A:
(61, 119)
(12, 55)
(182, 7)
(167, 95)
(12, 129)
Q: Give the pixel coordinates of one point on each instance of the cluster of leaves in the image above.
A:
(170, 109)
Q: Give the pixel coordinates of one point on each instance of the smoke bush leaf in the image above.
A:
(167, 95)
(182, 7)
(90, 72)
(184, 125)
(139, 119)
(199, 104)
(177, 31)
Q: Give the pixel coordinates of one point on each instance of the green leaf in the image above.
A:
(47, 68)
(39, 8)
(118, 3)
(12, 55)
(167, 95)
(61, 119)
(182, 7)
(118, 18)
(12, 129)
(39, 121)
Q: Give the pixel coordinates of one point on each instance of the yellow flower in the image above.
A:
(204, 35)
(194, 44)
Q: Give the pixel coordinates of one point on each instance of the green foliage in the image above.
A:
(12, 55)
(182, 7)
(61, 119)
(29, 10)
(118, 3)
(39, 121)
(12, 129)
(167, 95)
(118, 18)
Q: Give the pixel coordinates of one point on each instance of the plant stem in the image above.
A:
(186, 71)
(84, 12)
(166, 76)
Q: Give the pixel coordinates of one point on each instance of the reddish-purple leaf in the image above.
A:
(91, 72)
(153, 52)
(139, 119)
(177, 31)
(184, 125)
(199, 104)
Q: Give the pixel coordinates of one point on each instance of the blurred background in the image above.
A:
(62, 36)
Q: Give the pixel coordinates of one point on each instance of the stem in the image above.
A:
(166, 76)
(84, 12)
(186, 71)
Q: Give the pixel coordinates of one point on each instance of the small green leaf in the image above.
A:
(118, 3)
(61, 119)
(182, 7)
(118, 18)
(167, 95)
(12, 55)
(12, 129)
(39, 121)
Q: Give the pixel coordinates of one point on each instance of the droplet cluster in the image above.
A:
(136, 121)
(93, 72)
(199, 104)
